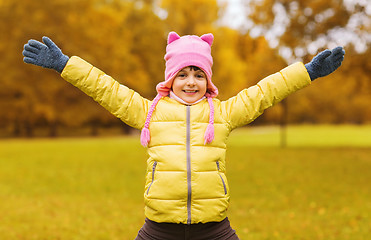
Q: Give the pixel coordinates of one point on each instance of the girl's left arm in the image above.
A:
(250, 103)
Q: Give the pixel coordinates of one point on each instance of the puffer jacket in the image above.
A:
(185, 181)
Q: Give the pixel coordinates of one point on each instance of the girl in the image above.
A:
(185, 128)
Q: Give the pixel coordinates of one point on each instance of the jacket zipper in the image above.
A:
(153, 175)
(225, 187)
(188, 149)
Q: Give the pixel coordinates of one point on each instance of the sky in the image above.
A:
(235, 17)
(235, 13)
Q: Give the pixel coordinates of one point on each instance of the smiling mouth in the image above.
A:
(190, 91)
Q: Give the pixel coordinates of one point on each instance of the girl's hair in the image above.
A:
(194, 68)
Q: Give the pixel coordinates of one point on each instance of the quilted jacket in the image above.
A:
(185, 181)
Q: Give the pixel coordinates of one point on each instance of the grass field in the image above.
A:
(76, 189)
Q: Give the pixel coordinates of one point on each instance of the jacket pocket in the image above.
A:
(153, 175)
(225, 186)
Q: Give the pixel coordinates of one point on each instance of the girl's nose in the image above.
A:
(191, 81)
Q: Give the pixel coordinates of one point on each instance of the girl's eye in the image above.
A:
(181, 75)
(200, 76)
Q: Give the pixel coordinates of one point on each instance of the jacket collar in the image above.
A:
(175, 97)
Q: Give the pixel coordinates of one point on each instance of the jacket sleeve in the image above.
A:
(250, 103)
(118, 99)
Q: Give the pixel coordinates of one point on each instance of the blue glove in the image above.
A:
(325, 63)
(46, 55)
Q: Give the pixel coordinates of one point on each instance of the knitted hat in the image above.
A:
(182, 52)
(187, 51)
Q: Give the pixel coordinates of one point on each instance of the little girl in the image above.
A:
(185, 128)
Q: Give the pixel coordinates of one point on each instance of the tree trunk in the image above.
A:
(16, 129)
(94, 130)
(29, 129)
(283, 124)
(53, 129)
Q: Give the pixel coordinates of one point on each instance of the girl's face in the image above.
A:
(190, 84)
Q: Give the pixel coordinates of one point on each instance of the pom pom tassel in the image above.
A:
(209, 133)
(145, 137)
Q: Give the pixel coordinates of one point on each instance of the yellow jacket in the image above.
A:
(185, 181)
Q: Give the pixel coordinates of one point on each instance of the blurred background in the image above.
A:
(127, 40)
(92, 188)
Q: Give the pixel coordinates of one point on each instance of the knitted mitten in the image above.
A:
(46, 54)
(325, 63)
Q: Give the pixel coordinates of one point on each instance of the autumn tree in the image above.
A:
(299, 30)
(127, 40)
(102, 34)
(193, 17)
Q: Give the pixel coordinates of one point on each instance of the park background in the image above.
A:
(127, 40)
(57, 182)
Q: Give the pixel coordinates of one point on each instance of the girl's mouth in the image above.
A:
(190, 91)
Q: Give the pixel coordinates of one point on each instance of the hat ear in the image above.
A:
(172, 37)
(209, 38)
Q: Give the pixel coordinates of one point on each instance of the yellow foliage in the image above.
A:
(127, 40)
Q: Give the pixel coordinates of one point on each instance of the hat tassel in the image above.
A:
(145, 134)
(209, 133)
(145, 137)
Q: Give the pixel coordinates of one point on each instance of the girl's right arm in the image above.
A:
(124, 103)
(121, 101)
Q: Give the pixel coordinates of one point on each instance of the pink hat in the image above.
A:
(182, 52)
(187, 51)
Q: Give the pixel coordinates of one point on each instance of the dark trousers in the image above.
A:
(202, 231)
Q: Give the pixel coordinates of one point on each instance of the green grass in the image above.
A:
(304, 136)
(316, 188)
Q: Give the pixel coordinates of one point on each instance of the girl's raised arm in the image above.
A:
(250, 103)
(121, 101)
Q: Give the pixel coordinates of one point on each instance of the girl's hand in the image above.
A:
(46, 54)
(325, 63)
